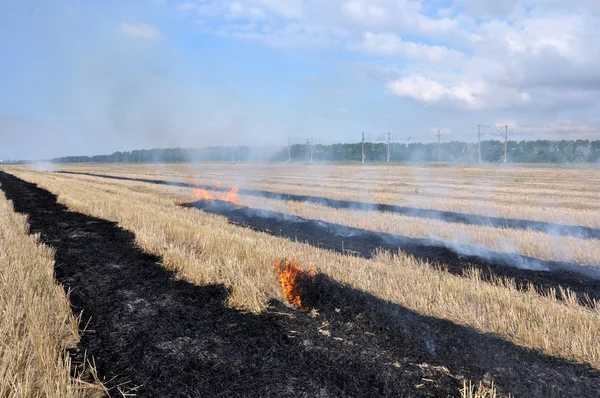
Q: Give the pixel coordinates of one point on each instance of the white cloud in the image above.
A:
(391, 45)
(478, 55)
(141, 31)
(402, 16)
(237, 10)
(460, 95)
(185, 7)
(431, 92)
(286, 9)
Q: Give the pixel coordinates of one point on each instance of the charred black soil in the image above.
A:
(543, 275)
(454, 217)
(162, 337)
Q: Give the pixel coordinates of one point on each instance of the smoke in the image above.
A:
(507, 255)
(366, 242)
(114, 76)
(43, 166)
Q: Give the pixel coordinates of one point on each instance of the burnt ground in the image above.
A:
(543, 275)
(161, 337)
(449, 216)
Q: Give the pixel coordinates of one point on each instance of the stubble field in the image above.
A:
(416, 280)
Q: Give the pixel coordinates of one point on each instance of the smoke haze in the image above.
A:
(96, 77)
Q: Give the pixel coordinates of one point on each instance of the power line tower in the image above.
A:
(363, 148)
(388, 138)
(309, 145)
(439, 136)
(479, 134)
(364, 137)
(503, 132)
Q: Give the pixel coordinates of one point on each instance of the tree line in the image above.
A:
(539, 151)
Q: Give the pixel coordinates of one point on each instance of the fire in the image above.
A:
(294, 280)
(231, 195)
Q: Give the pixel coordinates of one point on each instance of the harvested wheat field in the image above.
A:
(288, 280)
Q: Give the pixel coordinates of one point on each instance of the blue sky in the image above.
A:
(83, 77)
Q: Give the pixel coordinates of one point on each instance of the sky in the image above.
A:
(86, 77)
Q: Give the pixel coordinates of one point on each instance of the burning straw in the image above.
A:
(230, 195)
(294, 280)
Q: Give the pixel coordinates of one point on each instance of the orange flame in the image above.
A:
(231, 195)
(294, 280)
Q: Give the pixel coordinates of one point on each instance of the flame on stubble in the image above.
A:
(294, 280)
(231, 195)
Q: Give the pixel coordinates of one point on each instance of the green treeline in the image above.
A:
(541, 151)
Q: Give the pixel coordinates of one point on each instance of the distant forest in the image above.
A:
(540, 151)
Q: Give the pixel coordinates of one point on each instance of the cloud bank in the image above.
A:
(470, 55)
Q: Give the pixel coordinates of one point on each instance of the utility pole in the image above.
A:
(479, 141)
(363, 148)
(364, 137)
(389, 140)
(503, 132)
(506, 144)
(309, 147)
(126, 157)
(289, 150)
(156, 156)
(439, 136)
(479, 134)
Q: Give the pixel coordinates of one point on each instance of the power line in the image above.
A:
(479, 134)
(389, 139)
(363, 145)
(566, 133)
(439, 136)
(309, 143)
(504, 133)
(561, 125)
